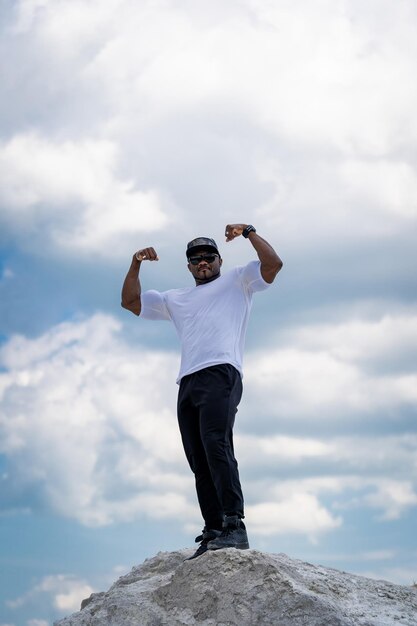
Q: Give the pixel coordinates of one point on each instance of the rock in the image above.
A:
(245, 588)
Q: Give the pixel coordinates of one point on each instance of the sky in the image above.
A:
(133, 123)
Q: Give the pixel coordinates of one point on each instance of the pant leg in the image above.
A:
(189, 424)
(217, 393)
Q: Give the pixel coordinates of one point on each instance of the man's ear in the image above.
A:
(220, 261)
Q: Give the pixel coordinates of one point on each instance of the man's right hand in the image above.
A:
(146, 254)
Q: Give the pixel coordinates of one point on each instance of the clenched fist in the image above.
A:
(234, 230)
(146, 254)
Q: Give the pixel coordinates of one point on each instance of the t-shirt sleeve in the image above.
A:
(153, 306)
(251, 277)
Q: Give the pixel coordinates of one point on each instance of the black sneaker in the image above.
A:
(207, 535)
(233, 535)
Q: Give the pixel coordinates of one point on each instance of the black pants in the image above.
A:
(207, 405)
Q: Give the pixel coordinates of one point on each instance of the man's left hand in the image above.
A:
(234, 230)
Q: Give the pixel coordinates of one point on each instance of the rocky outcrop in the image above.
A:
(245, 588)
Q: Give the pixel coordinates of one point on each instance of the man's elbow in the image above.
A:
(134, 307)
(270, 271)
(277, 267)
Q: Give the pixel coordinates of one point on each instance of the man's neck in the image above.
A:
(198, 281)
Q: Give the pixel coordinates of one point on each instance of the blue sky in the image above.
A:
(126, 124)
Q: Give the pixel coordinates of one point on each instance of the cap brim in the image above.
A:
(203, 248)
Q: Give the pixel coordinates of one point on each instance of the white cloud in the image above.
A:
(122, 119)
(89, 423)
(74, 188)
(66, 26)
(66, 593)
(331, 87)
(393, 497)
(318, 199)
(305, 74)
(360, 340)
(27, 10)
(350, 488)
(82, 412)
(286, 448)
(299, 513)
(310, 382)
(357, 453)
(386, 185)
(336, 369)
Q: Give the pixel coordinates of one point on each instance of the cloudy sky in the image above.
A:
(128, 123)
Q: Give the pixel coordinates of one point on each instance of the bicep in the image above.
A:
(269, 274)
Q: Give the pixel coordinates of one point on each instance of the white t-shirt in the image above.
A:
(210, 319)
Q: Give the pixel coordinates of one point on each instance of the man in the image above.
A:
(211, 320)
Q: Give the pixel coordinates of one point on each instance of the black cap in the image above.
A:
(201, 242)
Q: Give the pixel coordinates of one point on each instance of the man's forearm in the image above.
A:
(265, 251)
(270, 261)
(131, 288)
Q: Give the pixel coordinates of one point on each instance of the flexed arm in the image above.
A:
(131, 287)
(270, 261)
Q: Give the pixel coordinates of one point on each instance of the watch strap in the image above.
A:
(248, 229)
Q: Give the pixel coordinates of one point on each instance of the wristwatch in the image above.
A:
(248, 229)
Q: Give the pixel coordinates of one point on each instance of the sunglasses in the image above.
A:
(209, 258)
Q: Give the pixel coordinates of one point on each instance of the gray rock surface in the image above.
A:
(245, 588)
